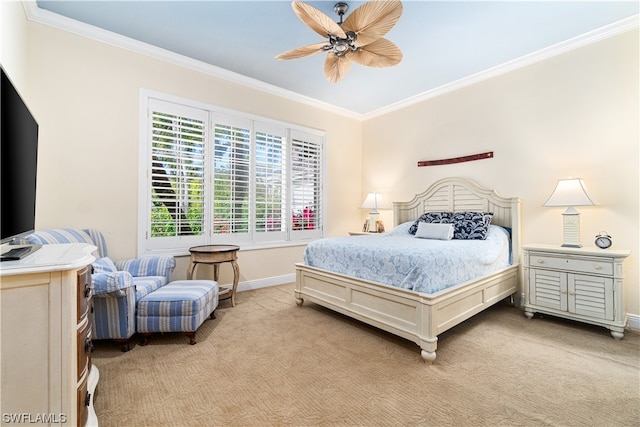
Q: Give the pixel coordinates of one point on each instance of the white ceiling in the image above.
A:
(443, 42)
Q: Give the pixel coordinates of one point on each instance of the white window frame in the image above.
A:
(179, 245)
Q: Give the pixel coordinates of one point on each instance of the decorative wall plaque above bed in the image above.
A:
(487, 155)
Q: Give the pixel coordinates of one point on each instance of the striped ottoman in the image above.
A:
(180, 306)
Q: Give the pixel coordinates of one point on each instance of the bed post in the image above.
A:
(516, 254)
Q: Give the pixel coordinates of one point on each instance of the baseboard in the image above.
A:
(633, 321)
(268, 281)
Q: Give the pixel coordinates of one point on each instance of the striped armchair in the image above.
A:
(117, 286)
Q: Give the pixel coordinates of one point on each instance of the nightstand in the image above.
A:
(582, 284)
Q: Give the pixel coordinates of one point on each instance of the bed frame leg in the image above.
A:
(428, 356)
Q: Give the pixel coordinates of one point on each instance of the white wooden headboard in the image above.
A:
(462, 194)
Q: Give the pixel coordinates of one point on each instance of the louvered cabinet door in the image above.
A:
(582, 284)
(548, 289)
(590, 296)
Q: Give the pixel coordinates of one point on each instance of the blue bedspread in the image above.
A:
(400, 259)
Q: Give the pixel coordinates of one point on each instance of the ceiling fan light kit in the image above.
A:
(360, 38)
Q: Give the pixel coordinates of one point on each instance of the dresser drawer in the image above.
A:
(85, 347)
(83, 399)
(84, 292)
(600, 266)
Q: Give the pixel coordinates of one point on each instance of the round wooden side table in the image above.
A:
(216, 255)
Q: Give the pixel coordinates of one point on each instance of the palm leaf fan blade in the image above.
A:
(373, 20)
(381, 53)
(317, 20)
(301, 52)
(336, 67)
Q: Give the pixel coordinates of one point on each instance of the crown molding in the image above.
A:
(42, 16)
(591, 37)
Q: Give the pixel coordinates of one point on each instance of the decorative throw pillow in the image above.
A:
(103, 265)
(471, 225)
(431, 217)
(435, 231)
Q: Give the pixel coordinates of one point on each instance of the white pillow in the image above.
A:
(437, 231)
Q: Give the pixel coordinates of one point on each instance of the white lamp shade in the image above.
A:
(374, 201)
(570, 192)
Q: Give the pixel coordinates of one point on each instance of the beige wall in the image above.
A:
(572, 115)
(13, 42)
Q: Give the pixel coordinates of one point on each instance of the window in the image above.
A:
(213, 176)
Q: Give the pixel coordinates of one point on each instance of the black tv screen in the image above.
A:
(18, 163)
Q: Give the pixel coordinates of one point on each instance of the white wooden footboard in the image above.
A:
(414, 316)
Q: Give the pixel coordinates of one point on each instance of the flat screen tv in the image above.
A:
(18, 166)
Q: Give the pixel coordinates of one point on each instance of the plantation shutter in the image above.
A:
(231, 179)
(177, 174)
(214, 176)
(270, 183)
(306, 185)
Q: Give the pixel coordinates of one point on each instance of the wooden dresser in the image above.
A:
(45, 354)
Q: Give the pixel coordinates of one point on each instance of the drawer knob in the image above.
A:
(87, 399)
(88, 345)
(540, 261)
(597, 267)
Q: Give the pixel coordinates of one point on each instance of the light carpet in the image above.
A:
(268, 362)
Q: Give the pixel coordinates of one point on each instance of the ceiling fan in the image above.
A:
(358, 39)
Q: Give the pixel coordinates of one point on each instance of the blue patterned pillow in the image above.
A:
(103, 265)
(431, 217)
(471, 225)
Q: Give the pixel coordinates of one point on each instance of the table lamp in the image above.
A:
(374, 201)
(570, 192)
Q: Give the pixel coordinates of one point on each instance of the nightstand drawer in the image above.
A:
(582, 265)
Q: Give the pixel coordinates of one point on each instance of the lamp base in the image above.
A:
(571, 228)
(373, 222)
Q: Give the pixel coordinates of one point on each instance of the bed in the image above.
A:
(413, 314)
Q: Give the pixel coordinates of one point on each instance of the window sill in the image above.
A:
(243, 247)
